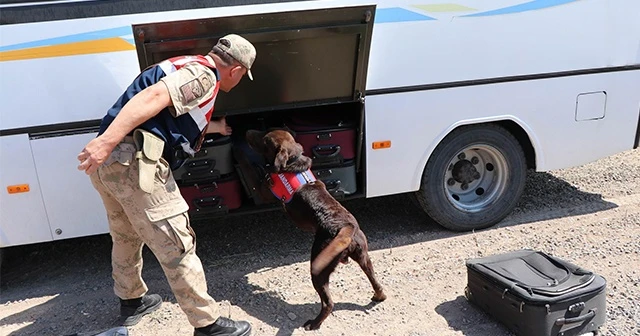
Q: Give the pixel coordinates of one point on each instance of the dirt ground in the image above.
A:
(257, 266)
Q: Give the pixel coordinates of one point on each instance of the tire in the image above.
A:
(474, 178)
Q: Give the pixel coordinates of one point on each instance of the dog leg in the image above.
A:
(321, 285)
(321, 269)
(361, 256)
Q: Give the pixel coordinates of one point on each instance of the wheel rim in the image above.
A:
(476, 177)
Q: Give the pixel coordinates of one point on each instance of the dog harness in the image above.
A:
(284, 185)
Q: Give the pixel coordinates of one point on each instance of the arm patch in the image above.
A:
(189, 87)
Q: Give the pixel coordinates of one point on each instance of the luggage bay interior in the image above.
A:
(309, 77)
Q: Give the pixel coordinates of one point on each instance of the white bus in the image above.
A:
(455, 99)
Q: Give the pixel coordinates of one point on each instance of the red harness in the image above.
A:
(284, 185)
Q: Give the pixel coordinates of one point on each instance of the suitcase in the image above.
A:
(340, 180)
(212, 161)
(213, 196)
(533, 293)
(326, 138)
(252, 174)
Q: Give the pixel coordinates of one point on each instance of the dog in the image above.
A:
(312, 208)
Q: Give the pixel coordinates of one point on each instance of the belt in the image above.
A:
(124, 152)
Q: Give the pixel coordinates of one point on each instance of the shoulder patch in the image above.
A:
(192, 91)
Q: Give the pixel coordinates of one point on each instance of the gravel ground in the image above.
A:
(257, 266)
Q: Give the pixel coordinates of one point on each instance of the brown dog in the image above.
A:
(311, 207)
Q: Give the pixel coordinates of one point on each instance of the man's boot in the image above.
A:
(131, 311)
(225, 327)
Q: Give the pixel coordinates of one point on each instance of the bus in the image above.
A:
(454, 100)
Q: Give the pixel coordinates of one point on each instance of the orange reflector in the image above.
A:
(382, 144)
(19, 188)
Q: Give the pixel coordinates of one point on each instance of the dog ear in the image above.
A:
(255, 139)
(281, 159)
(292, 132)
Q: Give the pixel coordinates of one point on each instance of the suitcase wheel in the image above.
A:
(467, 293)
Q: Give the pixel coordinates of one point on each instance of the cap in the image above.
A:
(240, 49)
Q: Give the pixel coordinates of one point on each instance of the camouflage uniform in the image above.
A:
(145, 206)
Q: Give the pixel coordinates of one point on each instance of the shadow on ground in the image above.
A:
(232, 248)
(462, 316)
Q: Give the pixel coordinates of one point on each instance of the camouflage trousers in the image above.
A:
(159, 220)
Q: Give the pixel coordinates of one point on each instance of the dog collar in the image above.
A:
(284, 185)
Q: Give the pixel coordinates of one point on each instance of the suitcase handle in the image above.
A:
(199, 165)
(324, 172)
(202, 153)
(570, 320)
(208, 188)
(332, 185)
(207, 202)
(327, 158)
(324, 148)
(188, 178)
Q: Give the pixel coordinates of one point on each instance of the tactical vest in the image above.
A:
(182, 135)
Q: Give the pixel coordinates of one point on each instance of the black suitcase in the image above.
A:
(535, 294)
(213, 161)
(340, 180)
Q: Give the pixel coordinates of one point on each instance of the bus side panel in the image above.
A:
(73, 205)
(415, 122)
(23, 219)
(75, 88)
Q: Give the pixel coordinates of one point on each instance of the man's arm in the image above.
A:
(142, 107)
(219, 126)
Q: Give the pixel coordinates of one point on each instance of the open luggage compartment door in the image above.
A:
(304, 58)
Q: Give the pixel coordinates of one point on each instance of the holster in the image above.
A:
(150, 148)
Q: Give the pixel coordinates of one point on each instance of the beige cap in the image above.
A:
(240, 49)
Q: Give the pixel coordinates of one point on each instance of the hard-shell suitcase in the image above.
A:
(213, 196)
(340, 179)
(212, 161)
(327, 138)
(535, 294)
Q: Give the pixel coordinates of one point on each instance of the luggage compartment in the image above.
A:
(309, 77)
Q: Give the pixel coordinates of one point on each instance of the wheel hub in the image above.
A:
(465, 172)
(476, 177)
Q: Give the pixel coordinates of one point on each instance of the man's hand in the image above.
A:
(143, 106)
(219, 126)
(94, 154)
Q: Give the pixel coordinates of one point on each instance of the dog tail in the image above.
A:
(335, 247)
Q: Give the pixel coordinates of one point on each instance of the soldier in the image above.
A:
(160, 120)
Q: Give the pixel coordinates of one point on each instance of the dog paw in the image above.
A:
(311, 325)
(379, 297)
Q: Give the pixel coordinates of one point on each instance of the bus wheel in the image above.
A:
(474, 178)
